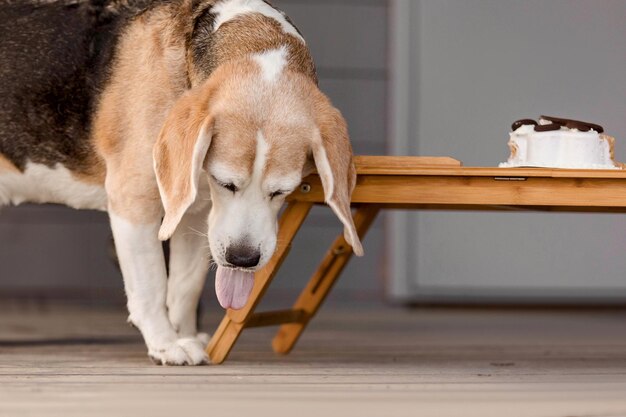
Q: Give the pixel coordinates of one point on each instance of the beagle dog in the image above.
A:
(185, 120)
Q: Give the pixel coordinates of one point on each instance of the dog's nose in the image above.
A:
(243, 256)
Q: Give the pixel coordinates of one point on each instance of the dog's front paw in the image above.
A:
(187, 351)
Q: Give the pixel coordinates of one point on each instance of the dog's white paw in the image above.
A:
(187, 351)
(194, 350)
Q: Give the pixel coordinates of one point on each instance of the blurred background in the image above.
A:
(414, 77)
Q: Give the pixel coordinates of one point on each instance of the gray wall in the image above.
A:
(53, 251)
(476, 66)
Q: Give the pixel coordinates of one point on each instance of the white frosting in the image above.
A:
(565, 148)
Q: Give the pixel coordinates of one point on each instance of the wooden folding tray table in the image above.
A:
(410, 183)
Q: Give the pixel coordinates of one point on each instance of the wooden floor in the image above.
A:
(367, 361)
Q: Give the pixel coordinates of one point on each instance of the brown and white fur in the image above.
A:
(207, 116)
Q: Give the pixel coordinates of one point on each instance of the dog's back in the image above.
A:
(55, 57)
(50, 73)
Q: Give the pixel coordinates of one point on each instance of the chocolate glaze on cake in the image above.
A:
(547, 128)
(516, 125)
(574, 124)
(556, 124)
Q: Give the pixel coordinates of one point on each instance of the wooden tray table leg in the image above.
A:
(322, 281)
(234, 322)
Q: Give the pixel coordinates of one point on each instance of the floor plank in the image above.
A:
(365, 361)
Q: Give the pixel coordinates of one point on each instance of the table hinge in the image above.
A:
(510, 178)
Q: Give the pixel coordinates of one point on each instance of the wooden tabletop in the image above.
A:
(444, 183)
(446, 166)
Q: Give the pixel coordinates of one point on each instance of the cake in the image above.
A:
(560, 143)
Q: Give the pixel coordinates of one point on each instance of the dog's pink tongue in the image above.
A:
(233, 287)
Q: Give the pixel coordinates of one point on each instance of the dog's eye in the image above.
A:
(230, 187)
(277, 194)
(227, 185)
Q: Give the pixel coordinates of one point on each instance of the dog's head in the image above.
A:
(253, 133)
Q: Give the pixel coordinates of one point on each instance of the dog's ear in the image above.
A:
(332, 153)
(179, 155)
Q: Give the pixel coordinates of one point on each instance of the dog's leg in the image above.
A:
(189, 264)
(143, 267)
